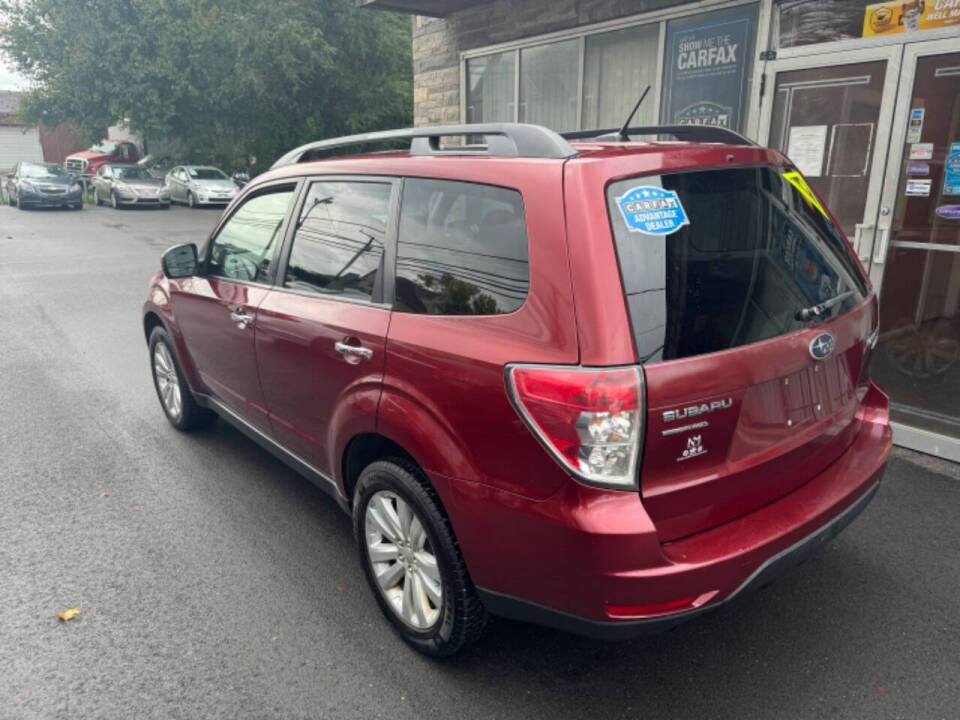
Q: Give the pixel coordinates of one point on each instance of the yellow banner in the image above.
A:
(886, 18)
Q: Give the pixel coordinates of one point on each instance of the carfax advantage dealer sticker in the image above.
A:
(652, 210)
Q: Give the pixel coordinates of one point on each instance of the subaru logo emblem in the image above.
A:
(821, 346)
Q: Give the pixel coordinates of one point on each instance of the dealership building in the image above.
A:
(863, 97)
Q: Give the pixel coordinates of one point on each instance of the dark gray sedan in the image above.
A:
(122, 185)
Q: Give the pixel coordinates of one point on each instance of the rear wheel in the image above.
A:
(177, 400)
(412, 561)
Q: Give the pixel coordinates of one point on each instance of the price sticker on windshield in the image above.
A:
(652, 210)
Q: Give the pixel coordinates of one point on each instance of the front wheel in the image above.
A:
(411, 559)
(114, 200)
(191, 200)
(176, 399)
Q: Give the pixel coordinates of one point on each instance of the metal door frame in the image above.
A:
(915, 438)
(865, 236)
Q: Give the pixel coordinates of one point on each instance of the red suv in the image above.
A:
(604, 386)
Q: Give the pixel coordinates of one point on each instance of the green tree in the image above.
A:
(226, 79)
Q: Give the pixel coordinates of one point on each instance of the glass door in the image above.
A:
(831, 115)
(917, 257)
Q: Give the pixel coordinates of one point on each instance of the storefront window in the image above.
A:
(804, 22)
(548, 84)
(618, 66)
(490, 88)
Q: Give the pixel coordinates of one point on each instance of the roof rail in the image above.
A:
(686, 133)
(502, 140)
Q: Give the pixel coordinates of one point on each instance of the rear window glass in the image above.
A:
(748, 249)
(461, 250)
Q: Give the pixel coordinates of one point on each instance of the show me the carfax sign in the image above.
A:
(708, 58)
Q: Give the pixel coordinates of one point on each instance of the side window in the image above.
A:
(462, 249)
(338, 246)
(243, 249)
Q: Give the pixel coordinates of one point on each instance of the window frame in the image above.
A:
(660, 17)
(296, 184)
(384, 286)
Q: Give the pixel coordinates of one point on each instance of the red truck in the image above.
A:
(89, 161)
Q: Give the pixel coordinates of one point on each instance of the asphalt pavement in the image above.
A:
(213, 582)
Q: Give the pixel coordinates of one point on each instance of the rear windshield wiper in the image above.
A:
(818, 310)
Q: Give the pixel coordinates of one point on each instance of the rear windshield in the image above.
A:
(716, 259)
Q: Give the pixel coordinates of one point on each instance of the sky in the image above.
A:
(9, 80)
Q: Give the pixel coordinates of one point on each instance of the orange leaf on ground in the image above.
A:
(69, 614)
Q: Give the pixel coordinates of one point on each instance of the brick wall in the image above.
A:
(437, 43)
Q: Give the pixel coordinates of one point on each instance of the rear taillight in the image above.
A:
(590, 419)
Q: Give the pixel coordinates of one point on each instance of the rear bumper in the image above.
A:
(589, 561)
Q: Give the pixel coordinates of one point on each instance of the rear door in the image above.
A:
(217, 310)
(321, 332)
(746, 398)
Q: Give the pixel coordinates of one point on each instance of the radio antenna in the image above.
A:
(622, 135)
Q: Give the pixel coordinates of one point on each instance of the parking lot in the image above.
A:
(215, 582)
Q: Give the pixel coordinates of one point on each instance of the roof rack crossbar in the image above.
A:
(686, 133)
(502, 140)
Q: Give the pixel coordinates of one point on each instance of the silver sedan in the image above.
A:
(200, 185)
(128, 185)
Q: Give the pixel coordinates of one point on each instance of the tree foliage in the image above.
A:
(226, 78)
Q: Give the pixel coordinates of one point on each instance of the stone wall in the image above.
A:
(437, 43)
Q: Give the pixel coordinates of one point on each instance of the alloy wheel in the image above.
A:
(168, 383)
(403, 560)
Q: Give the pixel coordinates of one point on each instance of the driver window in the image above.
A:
(243, 249)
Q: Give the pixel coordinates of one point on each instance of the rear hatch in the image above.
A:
(746, 398)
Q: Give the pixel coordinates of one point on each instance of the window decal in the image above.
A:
(652, 210)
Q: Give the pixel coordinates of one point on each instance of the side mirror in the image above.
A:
(180, 261)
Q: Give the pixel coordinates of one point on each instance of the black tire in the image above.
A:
(165, 206)
(78, 206)
(462, 616)
(114, 200)
(191, 415)
(191, 200)
(96, 198)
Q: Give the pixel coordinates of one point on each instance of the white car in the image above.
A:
(200, 185)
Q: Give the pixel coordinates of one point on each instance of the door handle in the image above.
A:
(880, 246)
(858, 240)
(353, 351)
(241, 318)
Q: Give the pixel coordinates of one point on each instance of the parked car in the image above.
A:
(156, 165)
(602, 386)
(200, 185)
(88, 162)
(33, 184)
(122, 185)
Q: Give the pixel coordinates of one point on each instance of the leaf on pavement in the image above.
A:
(104, 494)
(69, 614)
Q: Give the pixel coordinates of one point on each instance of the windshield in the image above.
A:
(722, 258)
(206, 174)
(131, 173)
(35, 170)
(104, 147)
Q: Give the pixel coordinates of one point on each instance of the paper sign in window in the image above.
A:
(805, 148)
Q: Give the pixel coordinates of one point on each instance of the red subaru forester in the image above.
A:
(603, 386)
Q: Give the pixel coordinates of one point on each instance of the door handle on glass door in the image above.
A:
(353, 351)
(880, 246)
